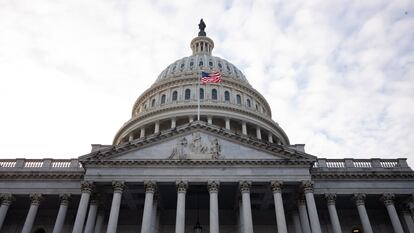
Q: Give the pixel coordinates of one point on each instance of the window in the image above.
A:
(201, 93)
(200, 63)
(226, 96)
(174, 96)
(214, 94)
(163, 99)
(248, 103)
(187, 94)
(210, 64)
(257, 107)
(238, 99)
(153, 103)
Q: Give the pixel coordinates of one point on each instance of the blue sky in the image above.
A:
(338, 75)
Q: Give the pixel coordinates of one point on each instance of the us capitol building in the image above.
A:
(233, 170)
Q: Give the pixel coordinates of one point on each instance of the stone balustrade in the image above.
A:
(40, 164)
(362, 164)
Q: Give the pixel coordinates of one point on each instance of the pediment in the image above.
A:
(197, 142)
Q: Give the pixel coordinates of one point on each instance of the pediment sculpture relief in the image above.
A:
(195, 147)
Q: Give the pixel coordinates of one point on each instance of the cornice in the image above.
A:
(33, 175)
(358, 175)
(194, 163)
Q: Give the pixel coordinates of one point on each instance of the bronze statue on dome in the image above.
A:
(201, 26)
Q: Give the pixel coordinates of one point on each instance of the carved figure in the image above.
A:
(179, 150)
(196, 146)
(215, 148)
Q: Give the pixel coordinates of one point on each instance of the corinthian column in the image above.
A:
(148, 205)
(34, 206)
(360, 203)
(330, 200)
(408, 221)
(213, 187)
(180, 215)
(310, 202)
(303, 214)
(6, 200)
(93, 210)
(247, 208)
(116, 204)
(86, 189)
(388, 199)
(280, 212)
(63, 208)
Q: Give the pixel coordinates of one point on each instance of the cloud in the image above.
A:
(338, 75)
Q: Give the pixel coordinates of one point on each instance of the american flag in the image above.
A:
(213, 77)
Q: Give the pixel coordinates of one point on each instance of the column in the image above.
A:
(270, 137)
(63, 208)
(333, 215)
(280, 212)
(241, 223)
(154, 215)
(210, 120)
(142, 132)
(258, 133)
(310, 202)
(359, 199)
(296, 222)
(131, 137)
(227, 123)
(408, 221)
(303, 215)
(116, 204)
(157, 127)
(247, 208)
(244, 128)
(6, 200)
(173, 122)
(180, 215)
(86, 189)
(213, 187)
(190, 119)
(93, 209)
(388, 199)
(99, 221)
(31, 215)
(148, 205)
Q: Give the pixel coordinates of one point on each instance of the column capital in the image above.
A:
(87, 187)
(213, 186)
(150, 186)
(182, 186)
(388, 198)
(6, 198)
(276, 186)
(301, 199)
(65, 199)
(359, 198)
(330, 198)
(245, 186)
(307, 186)
(36, 198)
(118, 186)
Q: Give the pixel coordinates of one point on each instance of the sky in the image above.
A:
(338, 75)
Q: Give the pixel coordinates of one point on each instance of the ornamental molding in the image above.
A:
(182, 186)
(330, 198)
(213, 186)
(388, 198)
(362, 175)
(150, 186)
(307, 186)
(34, 175)
(276, 186)
(87, 187)
(65, 199)
(359, 198)
(245, 186)
(118, 186)
(279, 150)
(7, 199)
(35, 198)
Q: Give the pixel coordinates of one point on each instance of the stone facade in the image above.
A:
(232, 170)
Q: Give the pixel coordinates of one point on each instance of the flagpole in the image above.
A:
(198, 98)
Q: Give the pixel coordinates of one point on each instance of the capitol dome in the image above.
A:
(233, 104)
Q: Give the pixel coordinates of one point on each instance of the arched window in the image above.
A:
(163, 99)
(174, 95)
(187, 94)
(201, 93)
(226, 96)
(257, 107)
(248, 103)
(214, 94)
(238, 99)
(153, 103)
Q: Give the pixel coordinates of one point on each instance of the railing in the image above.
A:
(50, 164)
(362, 164)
